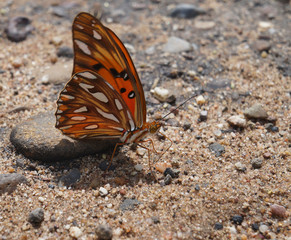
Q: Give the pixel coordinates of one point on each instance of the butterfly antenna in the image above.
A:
(197, 93)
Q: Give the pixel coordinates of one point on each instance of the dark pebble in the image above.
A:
(237, 219)
(104, 165)
(171, 172)
(197, 187)
(255, 226)
(257, 163)
(274, 129)
(36, 216)
(198, 137)
(104, 232)
(20, 162)
(18, 29)
(129, 204)
(65, 51)
(51, 186)
(156, 220)
(217, 149)
(218, 226)
(203, 115)
(71, 178)
(186, 125)
(168, 179)
(269, 126)
(186, 11)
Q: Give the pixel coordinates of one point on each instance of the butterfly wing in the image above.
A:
(98, 49)
(89, 107)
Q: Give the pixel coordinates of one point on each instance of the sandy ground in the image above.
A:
(211, 191)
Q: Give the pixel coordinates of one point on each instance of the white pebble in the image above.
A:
(161, 93)
(103, 191)
(138, 167)
(41, 199)
(75, 232)
(263, 228)
(200, 100)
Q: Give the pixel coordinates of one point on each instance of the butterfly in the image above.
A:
(104, 98)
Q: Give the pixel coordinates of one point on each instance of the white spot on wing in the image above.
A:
(67, 96)
(109, 85)
(83, 46)
(108, 115)
(59, 111)
(131, 123)
(81, 109)
(87, 75)
(79, 26)
(78, 118)
(66, 127)
(84, 136)
(89, 127)
(118, 104)
(96, 35)
(58, 117)
(100, 96)
(117, 128)
(86, 86)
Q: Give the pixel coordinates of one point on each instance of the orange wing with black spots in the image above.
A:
(104, 98)
(98, 49)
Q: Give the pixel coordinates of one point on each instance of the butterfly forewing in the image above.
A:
(89, 107)
(99, 50)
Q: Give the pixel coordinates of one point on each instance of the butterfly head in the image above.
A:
(154, 126)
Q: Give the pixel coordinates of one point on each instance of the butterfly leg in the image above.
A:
(111, 159)
(167, 147)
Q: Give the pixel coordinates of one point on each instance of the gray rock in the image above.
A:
(18, 28)
(168, 179)
(71, 178)
(36, 216)
(129, 204)
(256, 111)
(65, 51)
(57, 74)
(176, 45)
(38, 139)
(262, 45)
(184, 10)
(203, 115)
(104, 232)
(9, 182)
(257, 163)
(240, 167)
(217, 149)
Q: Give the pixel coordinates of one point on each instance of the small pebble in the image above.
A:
(103, 191)
(263, 228)
(278, 211)
(240, 167)
(197, 187)
(75, 232)
(65, 51)
(204, 25)
(255, 226)
(162, 166)
(184, 10)
(104, 232)
(257, 163)
(168, 179)
(57, 40)
(36, 216)
(18, 28)
(256, 111)
(217, 133)
(155, 219)
(237, 219)
(203, 115)
(161, 94)
(17, 63)
(217, 148)
(237, 121)
(138, 167)
(41, 199)
(200, 100)
(176, 45)
(218, 226)
(172, 172)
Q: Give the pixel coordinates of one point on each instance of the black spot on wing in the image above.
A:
(122, 90)
(131, 95)
(97, 66)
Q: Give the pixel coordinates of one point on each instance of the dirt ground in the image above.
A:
(240, 54)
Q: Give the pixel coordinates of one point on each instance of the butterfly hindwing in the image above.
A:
(89, 107)
(99, 50)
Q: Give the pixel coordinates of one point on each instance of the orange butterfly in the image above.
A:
(104, 98)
